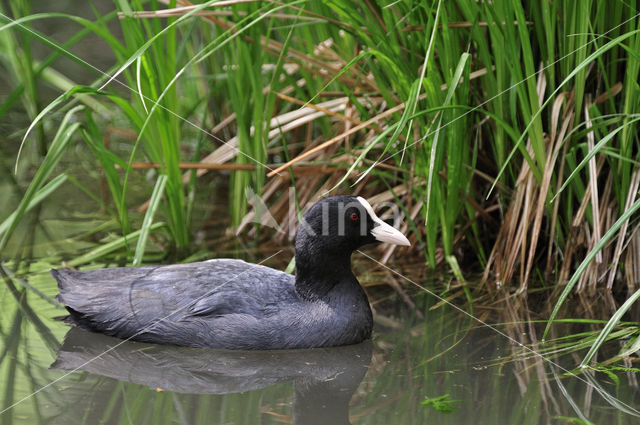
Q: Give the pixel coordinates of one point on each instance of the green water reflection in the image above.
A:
(445, 358)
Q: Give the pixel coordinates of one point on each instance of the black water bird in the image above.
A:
(231, 304)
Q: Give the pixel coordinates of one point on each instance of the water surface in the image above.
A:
(462, 369)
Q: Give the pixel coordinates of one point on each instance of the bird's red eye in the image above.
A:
(354, 216)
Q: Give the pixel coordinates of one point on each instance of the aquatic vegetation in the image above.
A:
(442, 404)
(507, 131)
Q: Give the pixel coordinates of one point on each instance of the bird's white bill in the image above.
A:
(384, 232)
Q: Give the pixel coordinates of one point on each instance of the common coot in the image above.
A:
(226, 303)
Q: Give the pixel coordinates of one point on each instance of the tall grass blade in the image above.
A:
(38, 197)
(596, 149)
(612, 323)
(595, 55)
(156, 196)
(585, 263)
(119, 243)
(57, 148)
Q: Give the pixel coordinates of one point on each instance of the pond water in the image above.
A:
(445, 369)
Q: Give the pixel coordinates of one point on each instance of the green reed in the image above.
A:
(505, 104)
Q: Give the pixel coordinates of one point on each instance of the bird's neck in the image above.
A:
(317, 273)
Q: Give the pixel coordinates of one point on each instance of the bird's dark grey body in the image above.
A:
(227, 304)
(232, 304)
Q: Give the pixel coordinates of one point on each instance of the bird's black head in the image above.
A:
(342, 224)
(331, 230)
